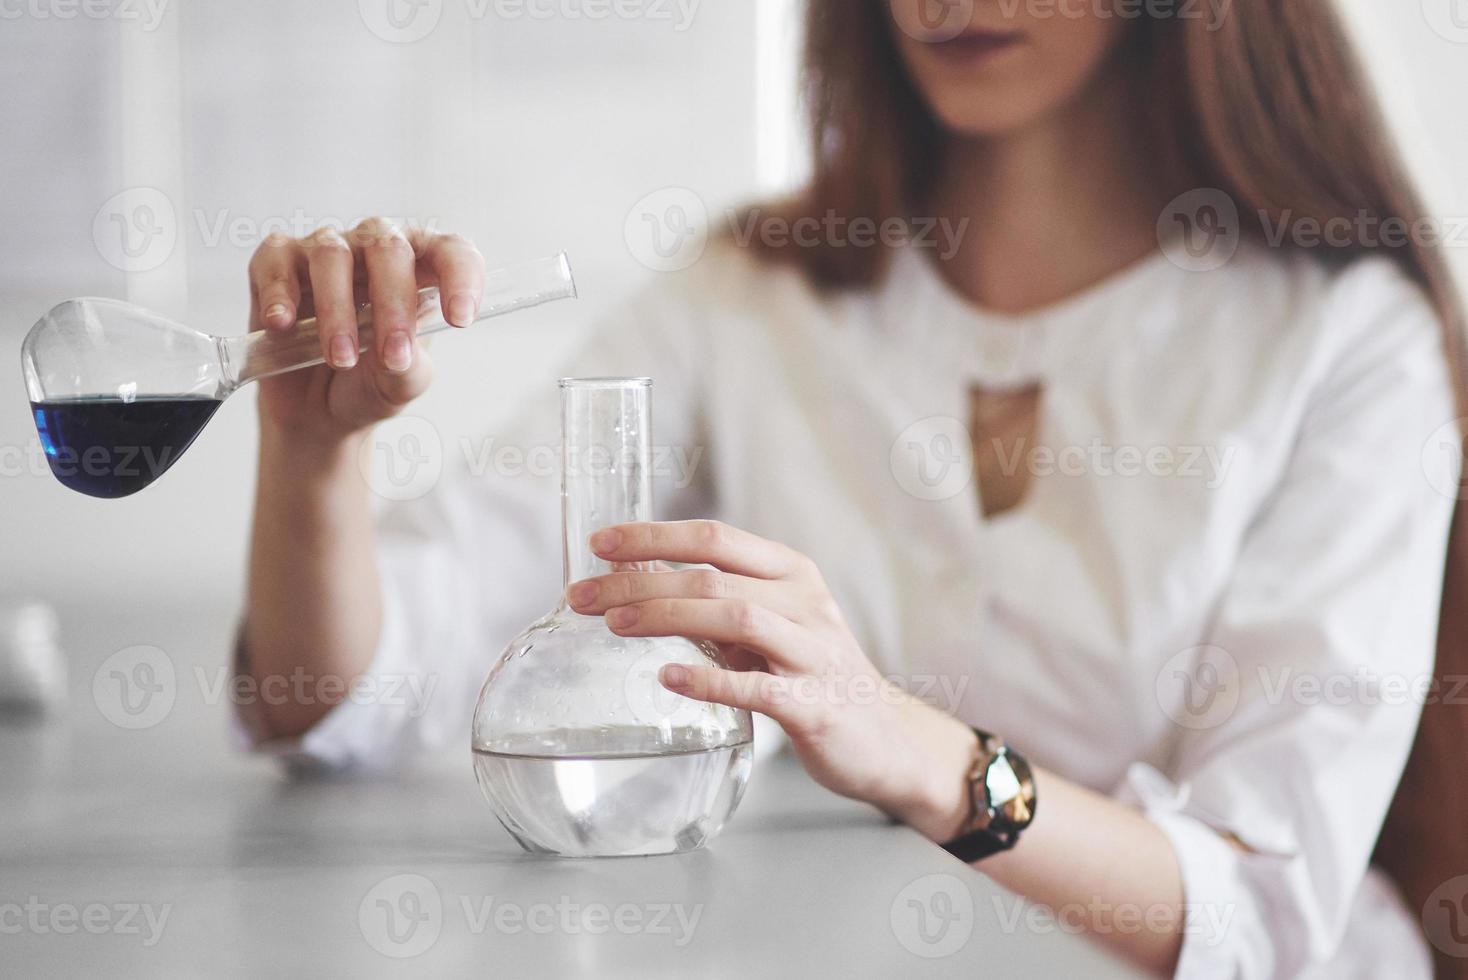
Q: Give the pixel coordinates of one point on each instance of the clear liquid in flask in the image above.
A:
(625, 804)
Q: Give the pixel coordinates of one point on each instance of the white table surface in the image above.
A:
(163, 853)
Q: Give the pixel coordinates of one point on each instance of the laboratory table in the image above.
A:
(160, 851)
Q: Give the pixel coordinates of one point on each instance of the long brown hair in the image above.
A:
(1270, 106)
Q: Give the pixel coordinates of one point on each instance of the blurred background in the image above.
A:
(149, 146)
(147, 154)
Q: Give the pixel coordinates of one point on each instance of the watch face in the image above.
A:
(1011, 790)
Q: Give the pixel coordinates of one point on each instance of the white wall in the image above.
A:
(1418, 51)
(529, 135)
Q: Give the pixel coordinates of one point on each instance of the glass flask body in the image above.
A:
(578, 748)
(119, 393)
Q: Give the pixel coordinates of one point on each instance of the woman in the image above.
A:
(1136, 625)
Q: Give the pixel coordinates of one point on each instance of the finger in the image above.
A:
(392, 288)
(369, 397)
(329, 263)
(702, 543)
(458, 268)
(594, 597)
(752, 690)
(733, 621)
(395, 391)
(275, 282)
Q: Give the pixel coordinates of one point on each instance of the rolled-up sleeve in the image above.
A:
(1309, 687)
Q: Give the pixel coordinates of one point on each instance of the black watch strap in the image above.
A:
(999, 834)
(971, 848)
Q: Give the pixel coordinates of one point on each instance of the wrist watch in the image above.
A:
(1001, 792)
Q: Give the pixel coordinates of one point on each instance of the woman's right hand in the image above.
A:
(315, 599)
(326, 275)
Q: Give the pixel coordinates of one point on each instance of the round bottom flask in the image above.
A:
(579, 749)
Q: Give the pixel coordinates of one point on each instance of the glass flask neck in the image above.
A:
(606, 465)
(264, 354)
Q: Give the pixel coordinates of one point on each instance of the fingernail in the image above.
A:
(677, 675)
(343, 352)
(583, 593)
(462, 309)
(622, 618)
(278, 313)
(399, 353)
(603, 542)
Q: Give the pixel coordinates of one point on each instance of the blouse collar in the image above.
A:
(1012, 349)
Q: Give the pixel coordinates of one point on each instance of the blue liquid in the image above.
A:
(106, 447)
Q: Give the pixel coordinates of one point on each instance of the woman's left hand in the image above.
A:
(790, 656)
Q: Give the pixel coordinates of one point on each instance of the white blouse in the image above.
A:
(1218, 601)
